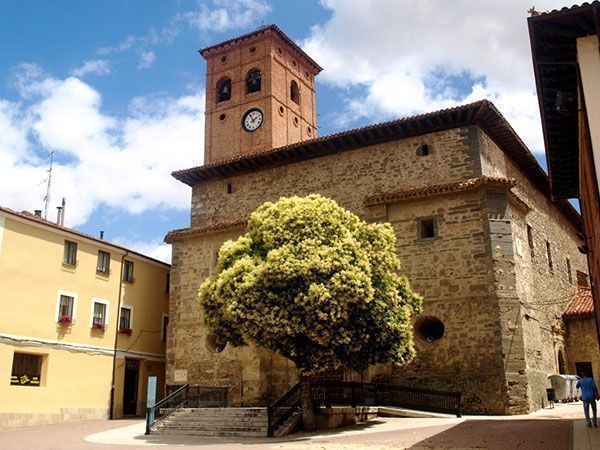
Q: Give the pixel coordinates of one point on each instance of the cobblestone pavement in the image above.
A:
(559, 428)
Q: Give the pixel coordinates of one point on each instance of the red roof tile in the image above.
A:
(188, 233)
(439, 189)
(581, 306)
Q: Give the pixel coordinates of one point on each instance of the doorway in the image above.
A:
(130, 387)
(581, 367)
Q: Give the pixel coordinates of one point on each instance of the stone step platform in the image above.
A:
(248, 422)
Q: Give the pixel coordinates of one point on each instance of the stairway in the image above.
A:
(247, 422)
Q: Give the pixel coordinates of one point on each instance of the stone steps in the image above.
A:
(248, 422)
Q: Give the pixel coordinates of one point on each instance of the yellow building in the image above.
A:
(79, 315)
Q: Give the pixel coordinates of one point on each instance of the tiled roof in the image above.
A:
(581, 306)
(566, 9)
(439, 189)
(263, 30)
(482, 114)
(33, 218)
(189, 233)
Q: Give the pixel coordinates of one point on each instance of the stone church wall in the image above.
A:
(532, 331)
(477, 276)
(348, 178)
(452, 273)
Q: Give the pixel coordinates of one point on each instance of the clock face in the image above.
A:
(252, 120)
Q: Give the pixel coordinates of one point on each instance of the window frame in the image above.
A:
(70, 256)
(39, 371)
(74, 296)
(99, 301)
(130, 308)
(106, 258)
(436, 233)
(128, 277)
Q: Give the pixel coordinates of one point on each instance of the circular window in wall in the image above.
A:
(223, 58)
(214, 344)
(429, 328)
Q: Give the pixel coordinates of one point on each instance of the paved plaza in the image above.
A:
(560, 428)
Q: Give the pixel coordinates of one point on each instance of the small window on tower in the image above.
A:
(253, 81)
(294, 92)
(223, 90)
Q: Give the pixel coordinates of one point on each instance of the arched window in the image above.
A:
(253, 81)
(294, 92)
(223, 90)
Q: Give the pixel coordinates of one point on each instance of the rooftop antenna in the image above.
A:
(47, 197)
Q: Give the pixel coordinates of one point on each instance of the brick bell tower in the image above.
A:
(260, 94)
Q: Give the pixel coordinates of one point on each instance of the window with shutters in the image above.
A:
(26, 369)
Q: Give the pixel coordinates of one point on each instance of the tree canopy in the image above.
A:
(312, 282)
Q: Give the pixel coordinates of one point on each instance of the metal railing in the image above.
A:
(283, 409)
(185, 396)
(204, 396)
(164, 408)
(329, 393)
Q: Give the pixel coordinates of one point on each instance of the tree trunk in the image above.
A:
(308, 413)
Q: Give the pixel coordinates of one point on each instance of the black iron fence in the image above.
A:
(203, 396)
(185, 396)
(329, 393)
(283, 409)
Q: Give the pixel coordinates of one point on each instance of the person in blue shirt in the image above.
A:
(589, 394)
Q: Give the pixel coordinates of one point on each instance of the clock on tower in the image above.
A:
(260, 94)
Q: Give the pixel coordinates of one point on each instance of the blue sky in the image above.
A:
(116, 89)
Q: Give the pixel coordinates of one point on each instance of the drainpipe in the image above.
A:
(112, 384)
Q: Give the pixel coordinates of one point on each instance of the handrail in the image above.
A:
(170, 402)
(283, 409)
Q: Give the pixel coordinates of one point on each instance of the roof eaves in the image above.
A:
(439, 189)
(40, 221)
(261, 30)
(190, 233)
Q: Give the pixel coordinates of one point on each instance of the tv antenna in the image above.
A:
(47, 197)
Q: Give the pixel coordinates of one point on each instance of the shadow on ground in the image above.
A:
(503, 435)
(299, 437)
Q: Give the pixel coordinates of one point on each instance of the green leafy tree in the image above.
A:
(312, 282)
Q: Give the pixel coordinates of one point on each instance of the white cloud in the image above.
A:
(146, 59)
(124, 162)
(154, 249)
(234, 14)
(408, 56)
(95, 66)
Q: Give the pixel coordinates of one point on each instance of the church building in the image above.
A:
(478, 236)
